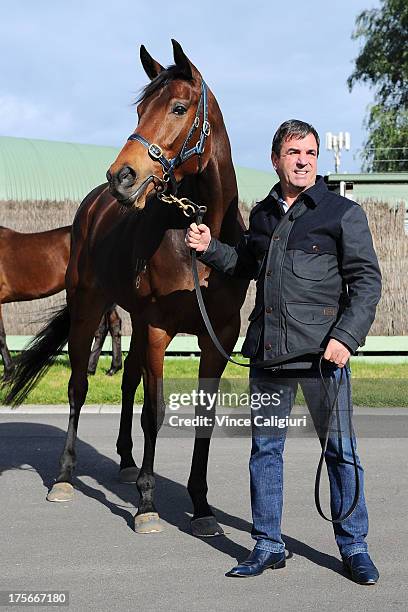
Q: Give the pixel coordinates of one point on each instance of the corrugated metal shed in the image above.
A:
(48, 170)
(254, 185)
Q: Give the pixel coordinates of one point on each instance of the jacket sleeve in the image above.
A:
(361, 273)
(239, 261)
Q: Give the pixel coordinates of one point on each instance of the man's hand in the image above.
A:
(337, 353)
(198, 237)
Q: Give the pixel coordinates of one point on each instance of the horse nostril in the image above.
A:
(109, 176)
(126, 176)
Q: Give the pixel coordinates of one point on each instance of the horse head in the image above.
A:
(172, 138)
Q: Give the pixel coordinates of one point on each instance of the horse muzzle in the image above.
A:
(126, 188)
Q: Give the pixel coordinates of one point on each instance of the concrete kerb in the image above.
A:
(64, 409)
(137, 409)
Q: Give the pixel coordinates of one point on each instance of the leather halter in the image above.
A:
(170, 165)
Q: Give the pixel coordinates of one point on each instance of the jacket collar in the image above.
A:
(312, 196)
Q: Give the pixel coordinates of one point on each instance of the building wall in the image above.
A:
(57, 171)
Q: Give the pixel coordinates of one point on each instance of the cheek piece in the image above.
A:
(170, 165)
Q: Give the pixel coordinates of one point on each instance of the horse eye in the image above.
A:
(179, 109)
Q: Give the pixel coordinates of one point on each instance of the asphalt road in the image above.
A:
(88, 547)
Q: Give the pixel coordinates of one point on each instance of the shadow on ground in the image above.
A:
(39, 445)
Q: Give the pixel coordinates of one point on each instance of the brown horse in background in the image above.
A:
(33, 266)
(128, 248)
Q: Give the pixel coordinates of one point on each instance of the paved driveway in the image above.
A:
(88, 547)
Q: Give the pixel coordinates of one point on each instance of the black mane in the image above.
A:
(165, 76)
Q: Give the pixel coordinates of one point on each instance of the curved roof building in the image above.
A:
(48, 170)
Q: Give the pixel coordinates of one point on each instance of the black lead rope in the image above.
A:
(198, 215)
(324, 448)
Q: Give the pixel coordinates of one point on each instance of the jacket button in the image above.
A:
(268, 309)
(269, 273)
(268, 347)
(276, 238)
(315, 248)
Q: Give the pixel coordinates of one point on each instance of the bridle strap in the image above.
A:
(169, 165)
(198, 149)
(156, 153)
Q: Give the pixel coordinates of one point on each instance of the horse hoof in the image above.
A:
(112, 371)
(206, 527)
(61, 492)
(129, 475)
(148, 523)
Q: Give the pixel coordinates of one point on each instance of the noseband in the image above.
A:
(170, 165)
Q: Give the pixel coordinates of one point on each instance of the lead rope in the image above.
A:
(324, 448)
(192, 210)
(200, 211)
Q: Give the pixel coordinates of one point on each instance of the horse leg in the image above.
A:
(115, 330)
(212, 365)
(100, 336)
(5, 353)
(132, 375)
(84, 321)
(147, 519)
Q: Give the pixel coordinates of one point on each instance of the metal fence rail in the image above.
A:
(187, 345)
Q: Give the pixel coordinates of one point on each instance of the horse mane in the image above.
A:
(171, 73)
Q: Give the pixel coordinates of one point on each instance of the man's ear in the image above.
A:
(151, 67)
(275, 160)
(181, 60)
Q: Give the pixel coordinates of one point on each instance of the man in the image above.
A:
(318, 284)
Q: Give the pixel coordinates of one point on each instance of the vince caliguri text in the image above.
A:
(176, 420)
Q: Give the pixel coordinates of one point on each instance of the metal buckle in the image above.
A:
(196, 122)
(166, 177)
(155, 151)
(206, 128)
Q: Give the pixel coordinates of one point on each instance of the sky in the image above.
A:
(71, 70)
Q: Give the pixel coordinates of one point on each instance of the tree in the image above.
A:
(383, 64)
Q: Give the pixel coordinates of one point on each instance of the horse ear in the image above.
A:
(181, 60)
(151, 67)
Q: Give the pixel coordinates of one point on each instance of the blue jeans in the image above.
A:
(266, 462)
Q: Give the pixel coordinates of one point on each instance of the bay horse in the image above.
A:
(33, 266)
(128, 248)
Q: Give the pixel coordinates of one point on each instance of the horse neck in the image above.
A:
(216, 188)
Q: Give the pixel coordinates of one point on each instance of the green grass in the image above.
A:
(376, 384)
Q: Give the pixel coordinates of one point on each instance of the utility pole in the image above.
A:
(336, 143)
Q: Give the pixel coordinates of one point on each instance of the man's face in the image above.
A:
(296, 165)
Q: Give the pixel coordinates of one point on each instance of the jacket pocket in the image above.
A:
(308, 325)
(310, 266)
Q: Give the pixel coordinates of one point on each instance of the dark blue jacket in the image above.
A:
(316, 270)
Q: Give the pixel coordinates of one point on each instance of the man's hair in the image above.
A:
(293, 129)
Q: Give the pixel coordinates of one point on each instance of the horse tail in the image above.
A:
(37, 358)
